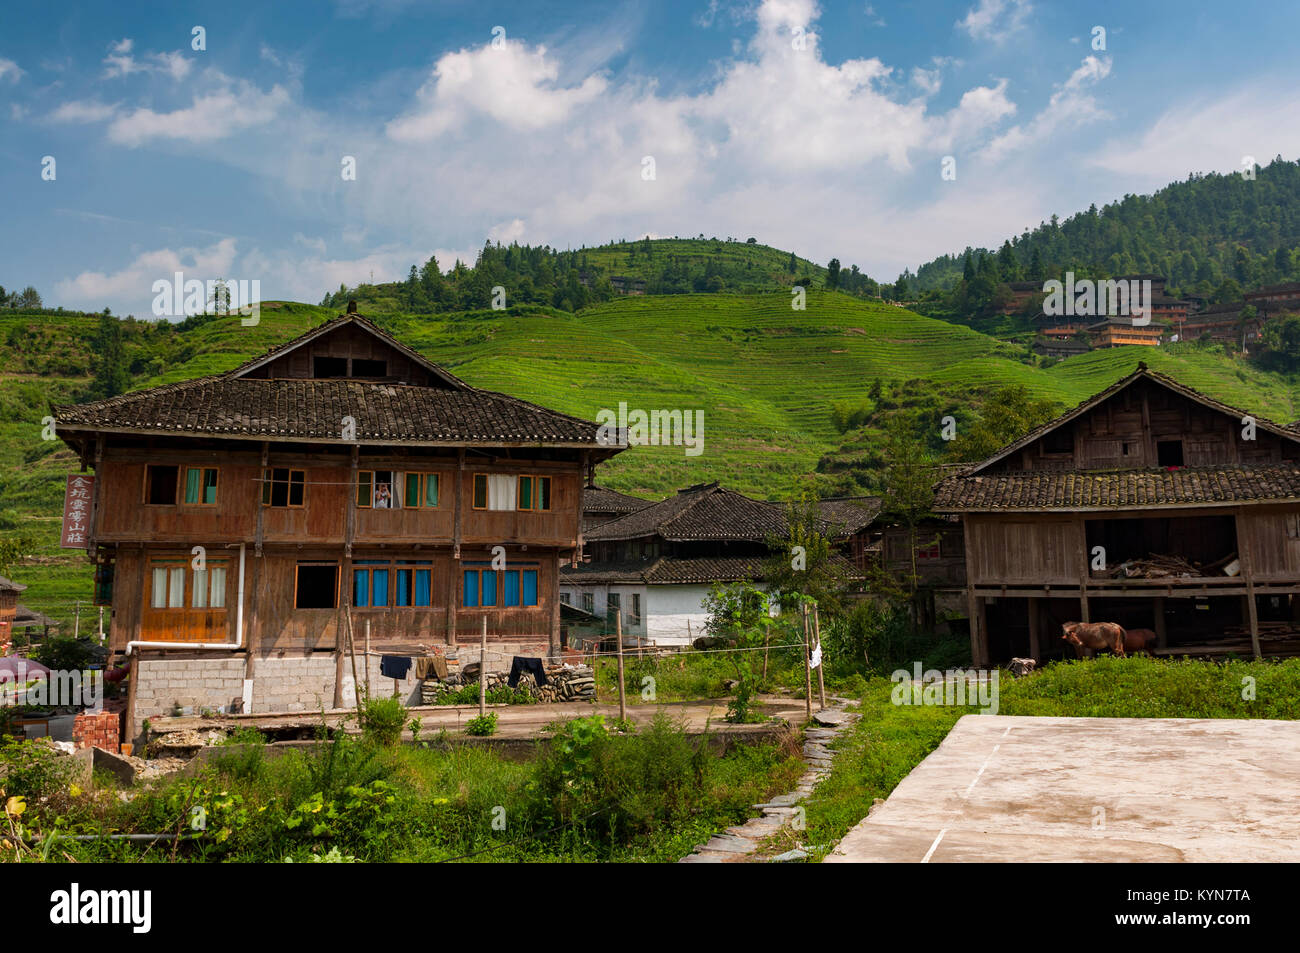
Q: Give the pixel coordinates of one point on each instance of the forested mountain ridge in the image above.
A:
(1197, 233)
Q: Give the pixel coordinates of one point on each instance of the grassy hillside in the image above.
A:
(766, 377)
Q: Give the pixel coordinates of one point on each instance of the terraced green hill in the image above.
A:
(765, 376)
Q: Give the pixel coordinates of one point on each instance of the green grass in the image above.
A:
(645, 797)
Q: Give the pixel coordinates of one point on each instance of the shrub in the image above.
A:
(482, 724)
(382, 720)
(32, 769)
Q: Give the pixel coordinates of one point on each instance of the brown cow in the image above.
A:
(1088, 637)
(1138, 640)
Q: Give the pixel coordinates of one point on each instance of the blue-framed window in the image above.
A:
(508, 588)
(378, 583)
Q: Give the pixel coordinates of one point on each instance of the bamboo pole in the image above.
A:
(367, 662)
(807, 671)
(482, 670)
(352, 654)
(622, 689)
(821, 679)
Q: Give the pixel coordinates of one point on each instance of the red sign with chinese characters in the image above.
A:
(77, 500)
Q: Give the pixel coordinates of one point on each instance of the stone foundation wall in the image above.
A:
(290, 685)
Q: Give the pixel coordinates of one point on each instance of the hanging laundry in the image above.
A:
(435, 664)
(816, 656)
(520, 666)
(394, 666)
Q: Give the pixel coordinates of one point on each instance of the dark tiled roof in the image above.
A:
(308, 409)
(850, 514)
(10, 585)
(668, 571)
(705, 511)
(1119, 489)
(598, 499)
(312, 410)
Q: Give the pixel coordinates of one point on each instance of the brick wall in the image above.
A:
(101, 729)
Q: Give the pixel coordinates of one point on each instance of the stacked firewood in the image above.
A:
(1161, 566)
(563, 683)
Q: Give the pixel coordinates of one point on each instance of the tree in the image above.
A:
(793, 265)
(1007, 414)
(29, 300)
(111, 376)
(908, 495)
(833, 274)
(804, 565)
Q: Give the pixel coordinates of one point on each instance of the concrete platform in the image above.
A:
(1018, 788)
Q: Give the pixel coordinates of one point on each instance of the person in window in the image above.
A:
(382, 496)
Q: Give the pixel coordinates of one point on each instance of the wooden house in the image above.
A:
(8, 612)
(338, 490)
(1150, 505)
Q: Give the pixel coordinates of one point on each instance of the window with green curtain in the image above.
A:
(543, 493)
(431, 489)
(364, 491)
(209, 486)
(525, 493)
(193, 484)
(412, 498)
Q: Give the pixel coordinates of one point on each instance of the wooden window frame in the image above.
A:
(144, 490)
(473, 492)
(393, 567)
(180, 488)
(338, 581)
(392, 486)
(534, 493)
(268, 483)
(422, 481)
(184, 563)
(500, 587)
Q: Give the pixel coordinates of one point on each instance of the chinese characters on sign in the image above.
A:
(76, 510)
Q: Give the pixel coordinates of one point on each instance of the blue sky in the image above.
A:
(815, 126)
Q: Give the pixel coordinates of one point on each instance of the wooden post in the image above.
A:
(1034, 611)
(482, 669)
(821, 680)
(807, 671)
(76, 620)
(977, 652)
(352, 651)
(367, 658)
(623, 692)
(1252, 611)
(1160, 622)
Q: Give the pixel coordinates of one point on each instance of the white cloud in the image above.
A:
(131, 287)
(9, 70)
(995, 20)
(210, 116)
(1070, 107)
(1245, 123)
(512, 85)
(121, 62)
(83, 111)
